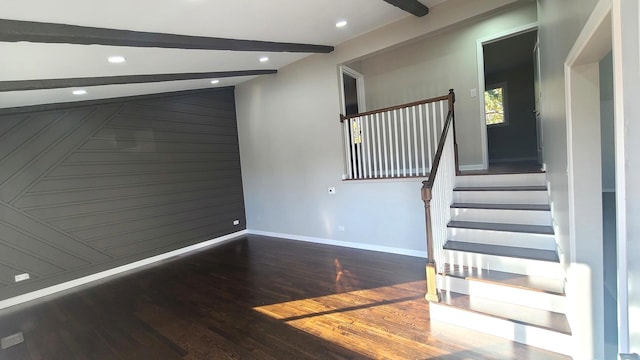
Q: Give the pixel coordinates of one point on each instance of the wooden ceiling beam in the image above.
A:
(39, 32)
(22, 85)
(411, 6)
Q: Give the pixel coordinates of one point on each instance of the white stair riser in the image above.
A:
(507, 264)
(529, 335)
(526, 217)
(501, 197)
(514, 295)
(534, 179)
(505, 238)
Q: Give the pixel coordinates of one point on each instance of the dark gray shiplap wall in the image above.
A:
(89, 188)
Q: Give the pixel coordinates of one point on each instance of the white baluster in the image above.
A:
(415, 167)
(347, 146)
(354, 151)
(369, 143)
(402, 143)
(443, 115)
(421, 121)
(429, 129)
(359, 151)
(436, 131)
(379, 168)
(397, 151)
(387, 130)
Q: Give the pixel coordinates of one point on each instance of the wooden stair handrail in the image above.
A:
(402, 106)
(427, 186)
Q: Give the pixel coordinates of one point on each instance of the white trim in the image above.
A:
(581, 67)
(362, 106)
(497, 326)
(620, 97)
(353, 245)
(480, 57)
(417, 179)
(473, 167)
(20, 299)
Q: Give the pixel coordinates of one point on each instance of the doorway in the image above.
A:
(506, 73)
(352, 100)
(352, 91)
(509, 99)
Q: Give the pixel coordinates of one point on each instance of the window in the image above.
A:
(495, 104)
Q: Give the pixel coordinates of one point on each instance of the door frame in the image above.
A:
(484, 143)
(582, 105)
(345, 70)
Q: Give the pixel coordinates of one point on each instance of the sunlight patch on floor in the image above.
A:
(361, 320)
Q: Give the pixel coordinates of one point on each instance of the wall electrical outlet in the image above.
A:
(236, 222)
(341, 228)
(22, 277)
(332, 190)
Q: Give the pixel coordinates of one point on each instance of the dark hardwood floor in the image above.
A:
(253, 298)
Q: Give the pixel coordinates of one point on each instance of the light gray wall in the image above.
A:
(429, 66)
(560, 22)
(291, 143)
(607, 124)
(87, 188)
(291, 152)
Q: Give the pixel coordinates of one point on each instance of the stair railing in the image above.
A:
(394, 142)
(437, 194)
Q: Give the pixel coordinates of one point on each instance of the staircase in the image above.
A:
(502, 273)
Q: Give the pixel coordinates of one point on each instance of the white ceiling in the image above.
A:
(298, 21)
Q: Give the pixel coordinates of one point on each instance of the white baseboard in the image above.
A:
(361, 246)
(20, 299)
(473, 167)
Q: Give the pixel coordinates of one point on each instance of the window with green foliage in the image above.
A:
(495, 104)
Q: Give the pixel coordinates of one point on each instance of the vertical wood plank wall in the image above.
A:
(89, 188)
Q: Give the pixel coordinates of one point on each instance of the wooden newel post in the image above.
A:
(432, 290)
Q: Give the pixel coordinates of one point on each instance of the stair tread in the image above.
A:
(522, 281)
(501, 188)
(520, 228)
(532, 207)
(515, 313)
(500, 250)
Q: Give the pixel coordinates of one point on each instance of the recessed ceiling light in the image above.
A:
(341, 23)
(215, 81)
(264, 59)
(79, 92)
(116, 59)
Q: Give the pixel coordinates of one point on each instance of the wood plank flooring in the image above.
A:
(253, 298)
(512, 167)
